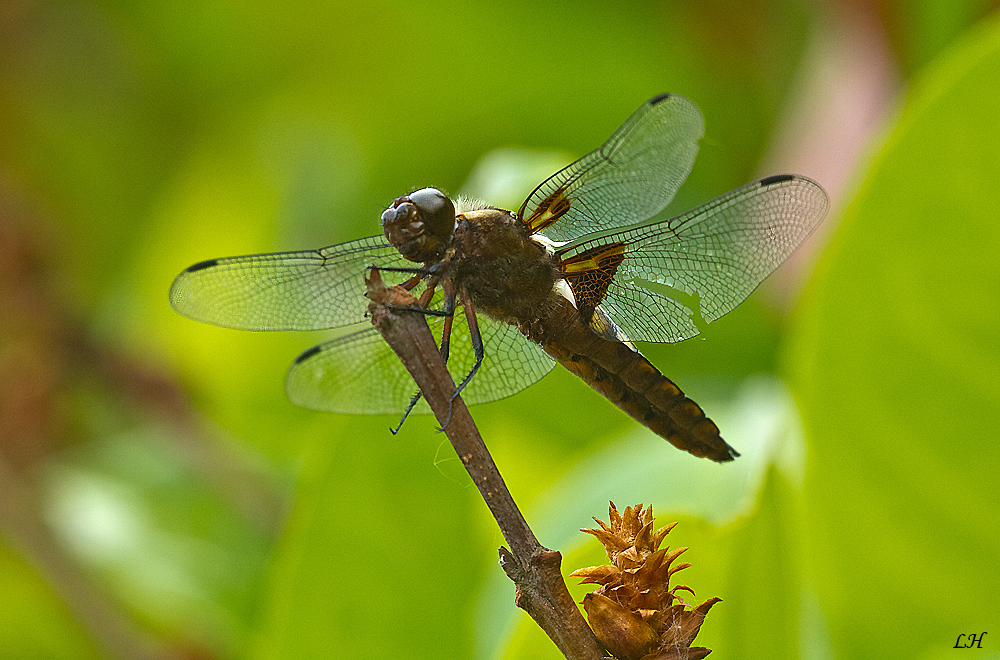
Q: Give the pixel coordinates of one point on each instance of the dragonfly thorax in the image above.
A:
(508, 275)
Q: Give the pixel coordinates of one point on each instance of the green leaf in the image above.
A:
(921, 29)
(731, 515)
(378, 560)
(896, 366)
(34, 622)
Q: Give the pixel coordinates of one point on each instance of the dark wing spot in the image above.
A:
(307, 354)
(661, 97)
(777, 178)
(589, 275)
(202, 265)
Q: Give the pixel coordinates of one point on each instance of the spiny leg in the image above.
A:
(425, 300)
(445, 338)
(412, 282)
(477, 340)
(477, 347)
(416, 275)
(409, 284)
(409, 408)
(422, 272)
(433, 271)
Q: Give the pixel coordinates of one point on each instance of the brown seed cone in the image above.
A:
(634, 612)
(622, 632)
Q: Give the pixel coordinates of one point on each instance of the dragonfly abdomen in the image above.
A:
(632, 383)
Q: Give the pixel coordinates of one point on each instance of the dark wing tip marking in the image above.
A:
(201, 265)
(308, 353)
(777, 178)
(659, 98)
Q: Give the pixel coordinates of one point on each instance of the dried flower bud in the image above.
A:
(622, 632)
(635, 613)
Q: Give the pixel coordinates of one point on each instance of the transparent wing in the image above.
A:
(309, 290)
(358, 373)
(629, 179)
(719, 252)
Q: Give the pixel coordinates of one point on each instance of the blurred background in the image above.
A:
(159, 496)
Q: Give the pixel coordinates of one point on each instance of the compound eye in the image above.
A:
(435, 209)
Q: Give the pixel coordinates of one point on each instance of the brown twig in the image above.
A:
(534, 569)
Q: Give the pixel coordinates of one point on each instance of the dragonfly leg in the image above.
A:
(477, 347)
(412, 282)
(425, 300)
(409, 408)
(477, 342)
(444, 349)
(428, 312)
(428, 294)
(399, 269)
(446, 338)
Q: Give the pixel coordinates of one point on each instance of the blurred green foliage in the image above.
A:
(896, 361)
(161, 498)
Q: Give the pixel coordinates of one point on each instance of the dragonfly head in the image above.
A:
(420, 225)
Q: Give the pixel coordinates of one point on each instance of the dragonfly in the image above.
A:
(579, 273)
